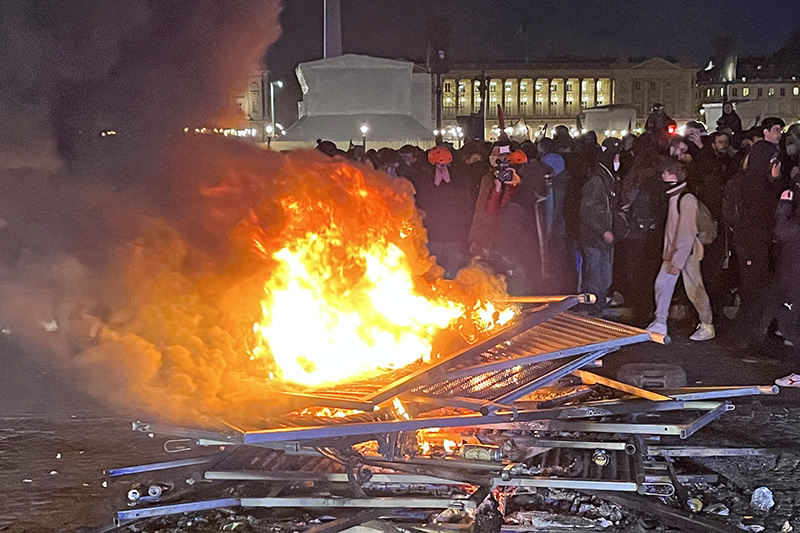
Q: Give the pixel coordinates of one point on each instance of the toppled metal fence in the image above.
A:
(514, 413)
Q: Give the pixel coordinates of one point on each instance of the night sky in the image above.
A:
(491, 30)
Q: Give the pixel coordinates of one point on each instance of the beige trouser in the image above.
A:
(692, 281)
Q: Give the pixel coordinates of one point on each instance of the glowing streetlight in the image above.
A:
(272, 86)
(364, 129)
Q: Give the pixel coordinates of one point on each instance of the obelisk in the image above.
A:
(332, 42)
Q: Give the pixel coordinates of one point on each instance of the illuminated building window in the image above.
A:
(771, 91)
(745, 91)
(796, 91)
(708, 92)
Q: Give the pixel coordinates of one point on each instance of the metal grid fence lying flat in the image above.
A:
(523, 357)
(490, 385)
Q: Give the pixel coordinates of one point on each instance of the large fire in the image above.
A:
(347, 297)
(312, 272)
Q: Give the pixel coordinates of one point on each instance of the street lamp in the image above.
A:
(272, 86)
(270, 132)
(364, 130)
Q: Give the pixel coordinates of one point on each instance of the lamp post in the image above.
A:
(270, 132)
(364, 129)
(272, 86)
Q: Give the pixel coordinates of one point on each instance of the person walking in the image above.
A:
(682, 254)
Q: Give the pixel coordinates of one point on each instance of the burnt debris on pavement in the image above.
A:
(514, 433)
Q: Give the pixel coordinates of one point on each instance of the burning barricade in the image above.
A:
(320, 361)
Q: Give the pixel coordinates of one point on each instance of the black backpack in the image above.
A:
(640, 214)
(732, 202)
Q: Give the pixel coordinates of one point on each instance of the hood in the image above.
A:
(758, 160)
(607, 157)
(555, 162)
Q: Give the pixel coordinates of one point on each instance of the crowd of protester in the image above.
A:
(626, 219)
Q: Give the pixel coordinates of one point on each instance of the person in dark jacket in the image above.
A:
(729, 120)
(758, 198)
(598, 204)
(657, 121)
(708, 174)
(783, 302)
(444, 197)
(638, 254)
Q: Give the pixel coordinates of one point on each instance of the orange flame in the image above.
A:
(317, 273)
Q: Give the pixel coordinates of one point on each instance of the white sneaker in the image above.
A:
(704, 332)
(657, 327)
(792, 380)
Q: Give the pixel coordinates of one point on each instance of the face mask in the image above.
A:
(616, 165)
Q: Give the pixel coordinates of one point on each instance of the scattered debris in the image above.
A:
(719, 509)
(786, 527)
(53, 472)
(58, 455)
(695, 505)
(762, 499)
(27, 481)
(753, 528)
(545, 519)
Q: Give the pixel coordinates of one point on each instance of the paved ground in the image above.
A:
(55, 442)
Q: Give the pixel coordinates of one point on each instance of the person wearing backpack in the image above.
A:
(683, 251)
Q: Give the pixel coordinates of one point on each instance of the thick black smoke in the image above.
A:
(145, 68)
(74, 203)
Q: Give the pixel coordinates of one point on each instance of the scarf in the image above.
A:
(442, 174)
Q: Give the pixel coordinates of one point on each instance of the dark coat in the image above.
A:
(787, 235)
(447, 207)
(707, 175)
(759, 196)
(598, 204)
